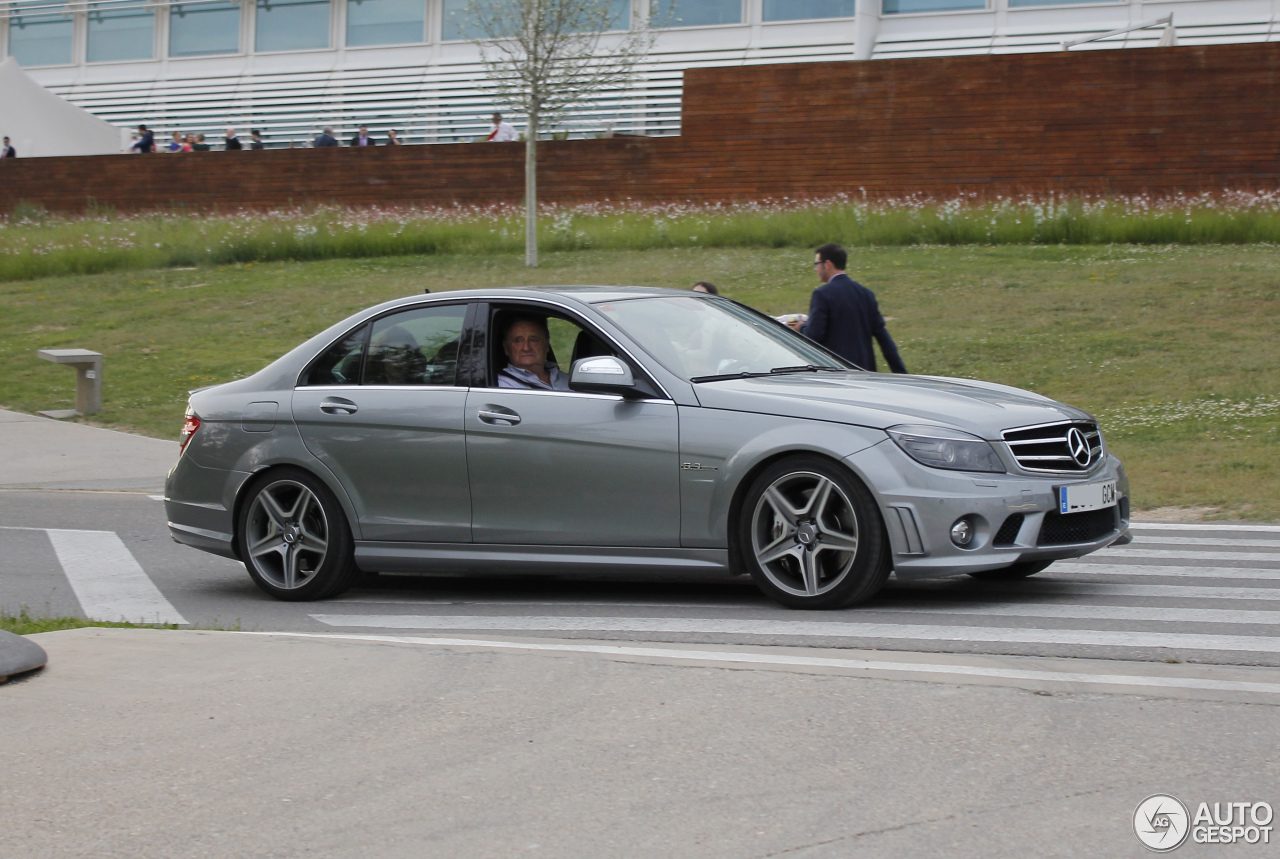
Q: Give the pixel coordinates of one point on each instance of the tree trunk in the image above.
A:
(531, 190)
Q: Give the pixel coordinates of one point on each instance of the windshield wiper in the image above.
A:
(776, 371)
(805, 368)
(723, 376)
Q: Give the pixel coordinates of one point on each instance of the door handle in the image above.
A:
(498, 416)
(338, 406)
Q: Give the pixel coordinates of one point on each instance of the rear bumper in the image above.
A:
(200, 538)
(198, 504)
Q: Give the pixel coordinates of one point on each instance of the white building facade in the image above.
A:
(288, 67)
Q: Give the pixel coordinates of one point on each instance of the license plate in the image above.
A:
(1086, 496)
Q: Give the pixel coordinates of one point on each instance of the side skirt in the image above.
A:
(472, 557)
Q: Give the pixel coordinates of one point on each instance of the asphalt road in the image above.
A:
(1207, 594)
(495, 716)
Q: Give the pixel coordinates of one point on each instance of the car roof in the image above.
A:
(586, 294)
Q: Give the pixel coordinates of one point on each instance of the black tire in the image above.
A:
(811, 536)
(294, 538)
(1019, 570)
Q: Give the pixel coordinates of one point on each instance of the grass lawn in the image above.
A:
(23, 623)
(1176, 349)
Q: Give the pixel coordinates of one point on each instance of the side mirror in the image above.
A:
(603, 375)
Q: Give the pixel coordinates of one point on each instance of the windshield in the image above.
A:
(697, 338)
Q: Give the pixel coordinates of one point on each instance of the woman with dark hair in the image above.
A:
(707, 287)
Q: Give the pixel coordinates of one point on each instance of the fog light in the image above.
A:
(962, 532)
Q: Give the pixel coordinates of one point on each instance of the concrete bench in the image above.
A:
(88, 367)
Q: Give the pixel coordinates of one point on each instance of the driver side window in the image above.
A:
(567, 342)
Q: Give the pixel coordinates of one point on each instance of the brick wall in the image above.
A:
(1155, 119)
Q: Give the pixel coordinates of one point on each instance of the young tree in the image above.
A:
(546, 57)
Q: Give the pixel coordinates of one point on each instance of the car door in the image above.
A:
(568, 468)
(383, 410)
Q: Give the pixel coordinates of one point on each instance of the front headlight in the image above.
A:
(939, 447)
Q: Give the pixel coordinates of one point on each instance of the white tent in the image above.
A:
(41, 123)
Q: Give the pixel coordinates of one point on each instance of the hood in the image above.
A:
(883, 400)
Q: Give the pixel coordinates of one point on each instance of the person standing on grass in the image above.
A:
(844, 315)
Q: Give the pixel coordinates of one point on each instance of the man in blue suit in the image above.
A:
(844, 315)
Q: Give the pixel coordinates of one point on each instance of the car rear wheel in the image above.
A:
(294, 538)
(1018, 571)
(811, 535)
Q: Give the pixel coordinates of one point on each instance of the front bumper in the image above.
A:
(1015, 516)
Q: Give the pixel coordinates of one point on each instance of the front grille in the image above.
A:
(1009, 530)
(1060, 528)
(1049, 447)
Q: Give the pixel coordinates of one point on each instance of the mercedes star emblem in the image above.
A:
(1078, 446)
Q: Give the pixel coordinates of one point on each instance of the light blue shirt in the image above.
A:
(515, 377)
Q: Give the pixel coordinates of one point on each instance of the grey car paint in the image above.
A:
(399, 451)
(565, 468)
(724, 432)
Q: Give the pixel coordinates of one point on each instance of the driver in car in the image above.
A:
(526, 344)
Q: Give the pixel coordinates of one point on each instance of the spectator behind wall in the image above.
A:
(200, 145)
(146, 141)
(393, 139)
(255, 141)
(502, 131)
(7, 151)
(362, 138)
(325, 138)
(232, 142)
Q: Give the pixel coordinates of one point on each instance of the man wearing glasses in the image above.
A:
(844, 315)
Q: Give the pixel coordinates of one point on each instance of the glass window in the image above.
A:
(892, 7)
(695, 337)
(417, 347)
(619, 14)
(695, 13)
(455, 13)
(385, 22)
(340, 363)
(292, 25)
(204, 28)
(39, 39)
(799, 10)
(120, 34)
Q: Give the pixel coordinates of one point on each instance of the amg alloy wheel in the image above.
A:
(812, 536)
(294, 538)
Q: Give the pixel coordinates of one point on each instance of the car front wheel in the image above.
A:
(294, 538)
(811, 535)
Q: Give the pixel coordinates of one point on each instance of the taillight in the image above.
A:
(189, 427)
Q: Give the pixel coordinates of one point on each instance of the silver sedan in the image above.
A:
(437, 433)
